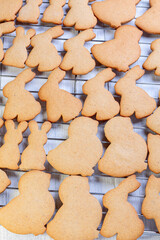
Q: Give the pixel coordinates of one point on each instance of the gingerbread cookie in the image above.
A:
(122, 218)
(78, 58)
(80, 214)
(120, 52)
(5, 28)
(80, 15)
(44, 54)
(151, 203)
(81, 151)
(9, 152)
(59, 102)
(154, 153)
(99, 100)
(20, 103)
(127, 152)
(9, 9)
(30, 12)
(134, 99)
(149, 21)
(16, 55)
(30, 211)
(115, 12)
(153, 62)
(4, 181)
(54, 12)
(153, 121)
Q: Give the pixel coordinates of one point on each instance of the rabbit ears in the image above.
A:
(57, 75)
(54, 32)
(7, 27)
(25, 76)
(21, 32)
(105, 76)
(153, 185)
(86, 35)
(10, 125)
(134, 73)
(129, 185)
(33, 126)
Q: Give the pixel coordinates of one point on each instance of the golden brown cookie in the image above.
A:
(9, 152)
(122, 218)
(30, 211)
(4, 181)
(134, 99)
(58, 101)
(127, 152)
(115, 12)
(21, 103)
(151, 203)
(99, 100)
(16, 55)
(54, 12)
(80, 214)
(78, 58)
(34, 155)
(44, 54)
(81, 151)
(9, 9)
(149, 21)
(120, 52)
(30, 12)
(154, 153)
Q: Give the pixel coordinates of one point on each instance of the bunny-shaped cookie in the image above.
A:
(20, 103)
(30, 12)
(9, 152)
(44, 54)
(122, 218)
(80, 214)
(34, 156)
(9, 9)
(58, 101)
(16, 55)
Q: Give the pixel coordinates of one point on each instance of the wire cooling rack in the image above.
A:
(99, 183)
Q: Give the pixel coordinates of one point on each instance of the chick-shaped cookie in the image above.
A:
(81, 151)
(30, 12)
(154, 152)
(5, 28)
(58, 101)
(99, 100)
(120, 52)
(122, 218)
(149, 21)
(30, 211)
(153, 60)
(9, 9)
(151, 203)
(20, 103)
(133, 98)
(34, 155)
(80, 214)
(9, 151)
(16, 55)
(78, 58)
(80, 15)
(54, 12)
(44, 54)
(4, 181)
(127, 152)
(115, 12)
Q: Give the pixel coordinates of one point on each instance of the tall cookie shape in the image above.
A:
(33, 203)
(44, 54)
(30, 12)
(120, 52)
(127, 152)
(34, 156)
(122, 218)
(154, 153)
(80, 209)
(9, 9)
(115, 12)
(151, 203)
(153, 60)
(54, 12)
(78, 58)
(16, 55)
(149, 21)
(99, 100)
(134, 99)
(81, 151)
(20, 103)
(9, 152)
(59, 102)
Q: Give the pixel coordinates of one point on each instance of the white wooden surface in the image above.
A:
(99, 183)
